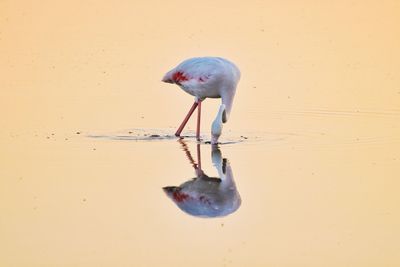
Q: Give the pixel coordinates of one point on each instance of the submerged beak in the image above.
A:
(214, 139)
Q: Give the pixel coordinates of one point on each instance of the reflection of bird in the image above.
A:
(206, 77)
(205, 196)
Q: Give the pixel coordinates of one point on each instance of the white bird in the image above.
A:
(205, 196)
(206, 77)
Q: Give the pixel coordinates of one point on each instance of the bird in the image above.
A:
(205, 196)
(206, 77)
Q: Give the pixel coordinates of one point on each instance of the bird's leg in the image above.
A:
(198, 121)
(188, 155)
(196, 166)
(198, 156)
(178, 132)
(199, 171)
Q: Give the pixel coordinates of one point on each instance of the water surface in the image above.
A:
(87, 141)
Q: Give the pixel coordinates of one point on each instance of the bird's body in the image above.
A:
(206, 77)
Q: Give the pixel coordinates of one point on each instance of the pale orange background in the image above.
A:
(319, 97)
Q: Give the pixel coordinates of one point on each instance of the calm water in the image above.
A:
(307, 173)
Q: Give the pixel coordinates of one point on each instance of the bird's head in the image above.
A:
(217, 125)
